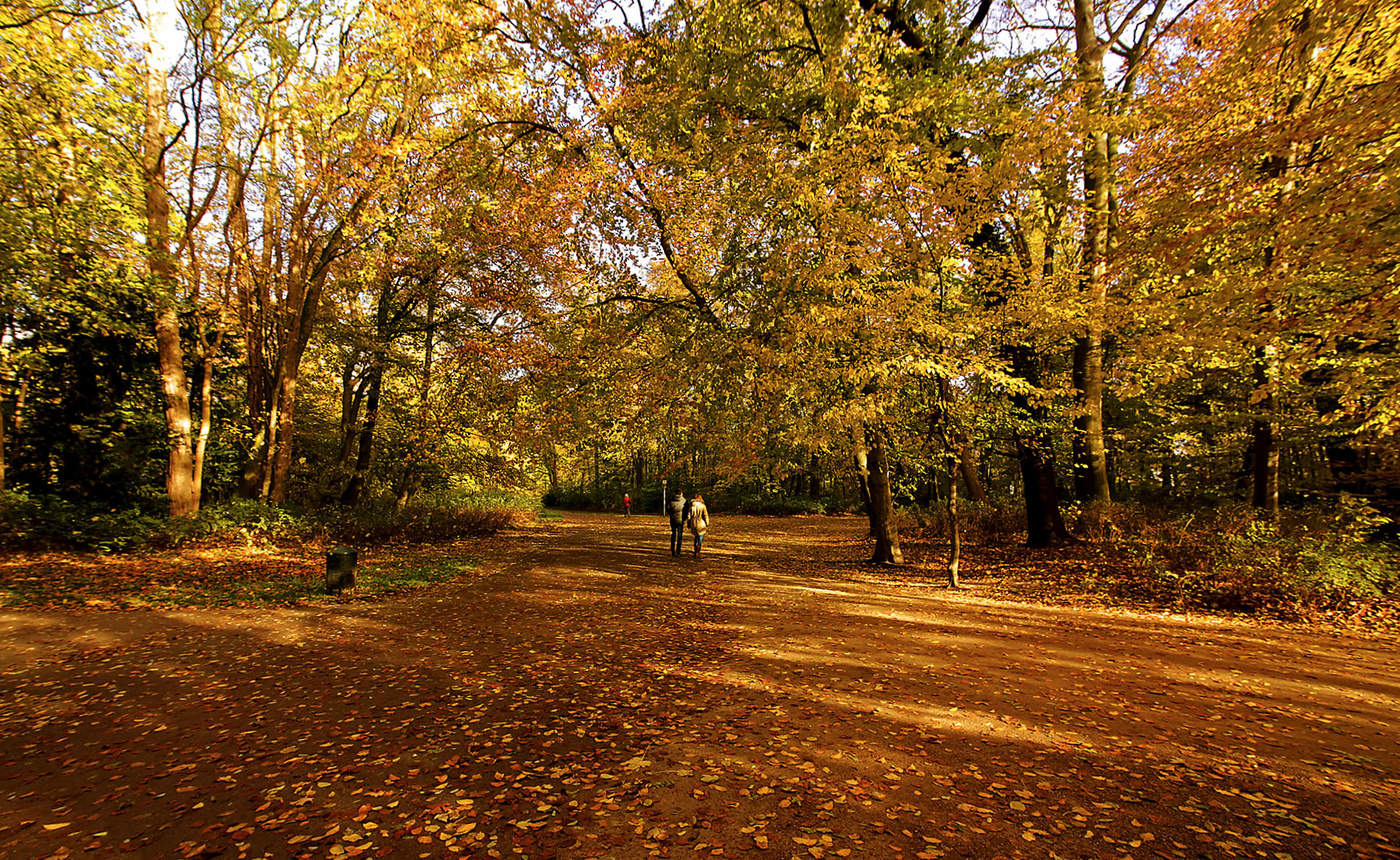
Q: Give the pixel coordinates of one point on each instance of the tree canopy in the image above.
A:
(862, 254)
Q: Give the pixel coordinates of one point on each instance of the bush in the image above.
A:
(418, 524)
(578, 500)
(1228, 559)
(985, 524)
(644, 501)
(482, 500)
(774, 505)
(246, 521)
(52, 522)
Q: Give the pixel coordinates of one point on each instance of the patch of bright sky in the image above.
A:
(162, 20)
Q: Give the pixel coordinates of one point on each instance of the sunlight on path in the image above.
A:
(586, 695)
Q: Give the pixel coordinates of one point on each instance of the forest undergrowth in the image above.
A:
(1316, 566)
(242, 554)
(1319, 566)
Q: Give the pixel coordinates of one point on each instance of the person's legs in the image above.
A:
(699, 539)
(675, 539)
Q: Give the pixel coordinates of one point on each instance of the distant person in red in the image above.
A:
(627, 504)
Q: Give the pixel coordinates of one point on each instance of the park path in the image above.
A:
(582, 694)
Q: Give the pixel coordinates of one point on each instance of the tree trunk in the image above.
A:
(1035, 452)
(954, 528)
(4, 419)
(269, 468)
(1265, 466)
(9, 415)
(1088, 352)
(261, 323)
(206, 415)
(355, 488)
(1044, 524)
(551, 467)
(967, 465)
(863, 483)
(19, 384)
(421, 445)
(352, 398)
(179, 475)
(279, 475)
(882, 514)
(1267, 375)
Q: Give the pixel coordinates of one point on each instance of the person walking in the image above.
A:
(627, 504)
(675, 510)
(698, 520)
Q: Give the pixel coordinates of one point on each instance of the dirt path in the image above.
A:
(585, 695)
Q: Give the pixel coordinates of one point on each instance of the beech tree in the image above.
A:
(72, 323)
(1278, 258)
(877, 248)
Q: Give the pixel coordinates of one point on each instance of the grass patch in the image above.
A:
(372, 581)
(380, 581)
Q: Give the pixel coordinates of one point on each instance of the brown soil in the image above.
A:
(583, 694)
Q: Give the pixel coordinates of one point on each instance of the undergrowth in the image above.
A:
(1321, 560)
(49, 523)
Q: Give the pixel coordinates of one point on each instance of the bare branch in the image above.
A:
(971, 29)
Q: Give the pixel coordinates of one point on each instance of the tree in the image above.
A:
(74, 330)
(1276, 258)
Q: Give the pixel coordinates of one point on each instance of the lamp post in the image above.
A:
(663, 496)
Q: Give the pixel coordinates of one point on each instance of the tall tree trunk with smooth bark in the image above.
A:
(180, 485)
(1035, 453)
(1091, 464)
(1267, 374)
(862, 463)
(967, 466)
(882, 514)
(954, 527)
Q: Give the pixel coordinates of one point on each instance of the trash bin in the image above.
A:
(340, 568)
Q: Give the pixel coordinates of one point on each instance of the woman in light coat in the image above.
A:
(698, 520)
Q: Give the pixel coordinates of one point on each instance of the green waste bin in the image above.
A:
(340, 568)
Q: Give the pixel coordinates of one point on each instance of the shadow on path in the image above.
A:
(585, 694)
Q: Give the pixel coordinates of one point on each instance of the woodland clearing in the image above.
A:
(582, 694)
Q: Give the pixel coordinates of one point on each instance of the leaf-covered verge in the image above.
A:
(1329, 566)
(236, 554)
(229, 576)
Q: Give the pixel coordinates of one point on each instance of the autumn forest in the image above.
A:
(1038, 362)
(1041, 257)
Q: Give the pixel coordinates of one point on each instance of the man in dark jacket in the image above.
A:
(675, 510)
